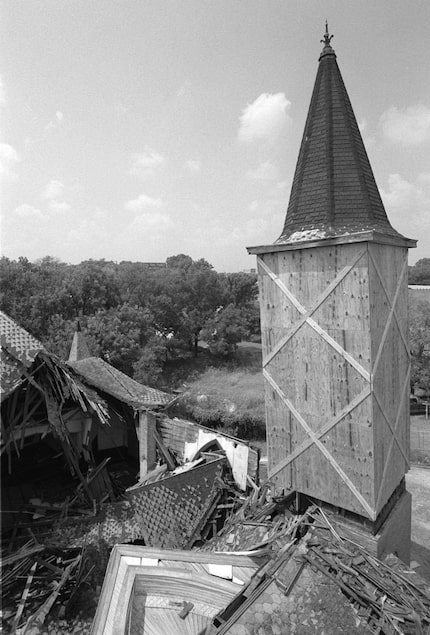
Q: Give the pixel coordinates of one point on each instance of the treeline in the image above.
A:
(419, 328)
(134, 315)
(143, 319)
(419, 273)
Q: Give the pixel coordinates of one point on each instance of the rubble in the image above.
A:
(204, 548)
(304, 572)
(176, 505)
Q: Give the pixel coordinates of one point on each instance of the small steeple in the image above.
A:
(334, 192)
(79, 348)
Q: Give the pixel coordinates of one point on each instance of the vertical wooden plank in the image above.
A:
(390, 357)
(147, 447)
(316, 378)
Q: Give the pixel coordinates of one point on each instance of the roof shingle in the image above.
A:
(112, 381)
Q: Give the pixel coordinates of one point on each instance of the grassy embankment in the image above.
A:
(226, 395)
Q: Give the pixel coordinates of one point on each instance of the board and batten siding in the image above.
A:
(336, 368)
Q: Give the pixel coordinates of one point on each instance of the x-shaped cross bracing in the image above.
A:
(306, 318)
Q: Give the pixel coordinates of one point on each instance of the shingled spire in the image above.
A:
(334, 192)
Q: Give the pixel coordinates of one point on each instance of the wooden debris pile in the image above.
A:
(381, 598)
(170, 509)
(259, 523)
(391, 599)
(37, 577)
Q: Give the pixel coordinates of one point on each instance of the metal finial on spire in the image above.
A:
(327, 50)
(326, 38)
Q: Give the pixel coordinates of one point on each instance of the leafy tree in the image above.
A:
(17, 283)
(150, 365)
(59, 335)
(119, 335)
(419, 336)
(32, 292)
(420, 272)
(241, 289)
(181, 261)
(224, 331)
(195, 291)
(92, 285)
(133, 316)
(136, 282)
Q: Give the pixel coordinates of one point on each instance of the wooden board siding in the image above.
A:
(391, 361)
(323, 316)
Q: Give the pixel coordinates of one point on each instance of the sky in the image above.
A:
(139, 129)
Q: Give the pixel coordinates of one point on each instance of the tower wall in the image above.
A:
(336, 368)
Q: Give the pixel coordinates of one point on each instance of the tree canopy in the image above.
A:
(134, 315)
(420, 272)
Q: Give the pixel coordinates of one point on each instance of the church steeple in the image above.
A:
(333, 298)
(334, 192)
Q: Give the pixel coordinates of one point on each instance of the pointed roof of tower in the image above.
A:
(334, 192)
(79, 349)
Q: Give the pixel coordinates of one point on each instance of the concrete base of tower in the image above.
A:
(393, 536)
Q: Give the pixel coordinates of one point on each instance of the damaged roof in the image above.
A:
(100, 374)
(109, 379)
(172, 511)
(18, 351)
(300, 576)
(35, 377)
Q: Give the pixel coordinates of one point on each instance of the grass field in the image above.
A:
(420, 440)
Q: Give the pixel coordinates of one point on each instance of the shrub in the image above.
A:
(232, 400)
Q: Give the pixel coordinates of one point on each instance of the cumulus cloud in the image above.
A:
(28, 211)
(146, 163)
(54, 190)
(369, 139)
(407, 204)
(193, 166)
(8, 159)
(265, 118)
(54, 193)
(59, 207)
(408, 127)
(58, 118)
(142, 202)
(407, 195)
(266, 171)
(151, 220)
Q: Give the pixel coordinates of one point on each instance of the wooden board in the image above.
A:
(163, 580)
(328, 323)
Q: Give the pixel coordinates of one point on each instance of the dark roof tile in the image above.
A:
(112, 381)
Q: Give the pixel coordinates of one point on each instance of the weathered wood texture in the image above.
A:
(156, 584)
(336, 367)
